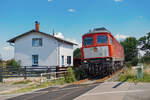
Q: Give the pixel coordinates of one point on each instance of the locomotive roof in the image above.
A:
(98, 30)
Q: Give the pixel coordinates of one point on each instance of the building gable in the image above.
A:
(48, 35)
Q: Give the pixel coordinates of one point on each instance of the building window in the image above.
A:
(101, 39)
(88, 41)
(68, 60)
(111, 41)
(62, 60)
(35, 59)
(37, 42)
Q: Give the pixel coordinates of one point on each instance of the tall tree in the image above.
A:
(1, 62)
(130, 48)
(144, 43)
(77, 53)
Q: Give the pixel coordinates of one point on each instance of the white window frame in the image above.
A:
(37, 42)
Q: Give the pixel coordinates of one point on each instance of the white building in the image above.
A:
(35, 48)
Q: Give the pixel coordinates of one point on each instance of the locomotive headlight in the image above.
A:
(107, 59)
(85, 61)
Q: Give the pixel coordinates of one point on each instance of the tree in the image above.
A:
(13, 63)
(130, 48)
(144, 43)
(1, 62)
(77, 53)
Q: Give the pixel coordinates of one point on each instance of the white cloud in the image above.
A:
(141, 17)
(74, 41)
(50, 0)
(121, 37)
(7, 52)
(118, 0)
(59, 35)
(71, 10)
(79, 45)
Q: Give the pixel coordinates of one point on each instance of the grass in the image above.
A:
(22, 82)
(69, 78)
(133, 78)
(130, 75)
(40, 85)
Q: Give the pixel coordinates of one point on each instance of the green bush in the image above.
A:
(1, 62)
(79, 73)
(146, 59)
(70, 77)
(131, 63)
(134, 61)
(13, 63)
(133, 78)
(77, 53)
(128, 64)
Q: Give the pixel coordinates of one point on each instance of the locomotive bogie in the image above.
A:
(101, 67)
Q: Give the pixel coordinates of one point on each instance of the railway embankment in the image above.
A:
(131, 74)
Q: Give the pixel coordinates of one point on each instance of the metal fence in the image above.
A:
(28, 71)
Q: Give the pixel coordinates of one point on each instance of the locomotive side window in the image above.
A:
(88, 41)
(101, 39)
(111, 41)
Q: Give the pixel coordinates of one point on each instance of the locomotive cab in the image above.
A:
(98, 47)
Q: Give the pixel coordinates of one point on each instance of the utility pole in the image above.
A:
(53, 32)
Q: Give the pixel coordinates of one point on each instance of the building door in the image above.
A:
(69, 60)
(62, 60)
(35, 60)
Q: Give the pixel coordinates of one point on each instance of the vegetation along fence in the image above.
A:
(29, 71)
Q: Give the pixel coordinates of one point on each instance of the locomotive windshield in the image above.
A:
(88, 41)
(101, 39)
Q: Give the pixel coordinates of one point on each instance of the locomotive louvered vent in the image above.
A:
(102, 29)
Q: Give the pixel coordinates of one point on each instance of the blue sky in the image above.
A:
(72, 18)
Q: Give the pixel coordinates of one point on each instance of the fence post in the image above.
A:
(57, 70)
(48, 71)
(25, 72)
(1, 74)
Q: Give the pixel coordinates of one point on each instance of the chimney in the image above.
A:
(37, 27)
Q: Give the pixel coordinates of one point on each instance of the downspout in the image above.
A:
(58, 54)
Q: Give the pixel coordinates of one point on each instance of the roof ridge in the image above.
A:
(33, 30)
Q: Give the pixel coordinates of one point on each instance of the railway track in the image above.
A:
(97, 80)
(68, 92)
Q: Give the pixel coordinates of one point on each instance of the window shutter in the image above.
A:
(33, 42)
(40, 41)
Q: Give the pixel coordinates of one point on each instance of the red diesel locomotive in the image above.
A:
(101, 53)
